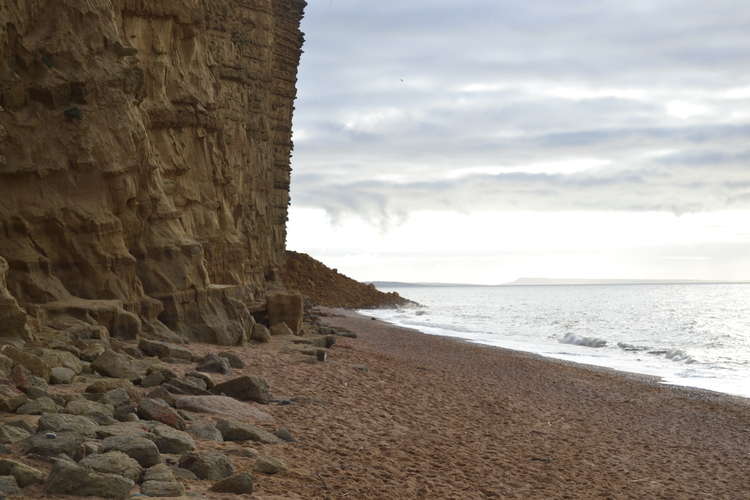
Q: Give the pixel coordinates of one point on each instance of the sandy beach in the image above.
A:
(398, 414)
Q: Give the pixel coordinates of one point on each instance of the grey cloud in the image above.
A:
(363, 124)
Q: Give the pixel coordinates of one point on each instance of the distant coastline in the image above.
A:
(558, 282)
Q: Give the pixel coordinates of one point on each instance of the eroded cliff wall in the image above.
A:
(144, 163)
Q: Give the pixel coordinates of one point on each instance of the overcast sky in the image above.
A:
(485, 140)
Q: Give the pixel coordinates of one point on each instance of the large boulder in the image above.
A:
(225, 406)
(165, 350)
(285, 307)
(239, 484)
(61, 422)
(24, 475)
(260, 334)
(67, 478)
(160, 481)
(55, 444)
(245, 388)
(114, 462)
(33, 363)
(117, 365)
(238, 431)
(213, 466)
(170, 440)
(143, 450)
(160, 411)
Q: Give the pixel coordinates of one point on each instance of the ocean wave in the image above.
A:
(573, 339)
(632, 347)
(674, 355)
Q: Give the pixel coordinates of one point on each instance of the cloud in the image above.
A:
(407, 106)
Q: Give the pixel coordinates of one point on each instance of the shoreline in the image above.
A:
(656, 380)
(445, 418)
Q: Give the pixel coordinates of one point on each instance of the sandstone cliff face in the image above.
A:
(144, 163)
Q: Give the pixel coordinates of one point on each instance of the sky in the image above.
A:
(479, 141)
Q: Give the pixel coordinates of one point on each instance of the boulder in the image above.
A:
(185, 386)
(213, 363)
(6, 365)
(170, 440)
(237, 431)
(59, 358)
(24, 475)
(108, 384)
(207, 380)
(223, 405)
(38, 406)
(55, 444)
(132, 429)
(285, 307)
(284, 434)
(114, 462)
(89, 408)
(68, 478)
(269, 465)
(29, 361)
(160, 481)
(234, 360)
(12, 434)
(8, 486)
(165, 350)
(245, 388)
(238, 484)
(117, 365)
(143, 450)
(260, 334)
(205, 431)
(11, 398)
(62, 422)
(160, 411)
(213, 466)
(281, 329)
(61, 375)
(115, 397)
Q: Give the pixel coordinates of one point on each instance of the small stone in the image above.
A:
(213, 466)
(269, 465)
(68, 478)
(159, 410)
(61, 375)
(237, 431)
(170, 440)
(24, 475)
(284, 434)
(238, 484)
(38, 406)
(141, 449)
(246, 388)
(114, 462)
(206, 431)
(8, 486)
(234, 360)
(62, 422)
(212, 363)
(260, 334)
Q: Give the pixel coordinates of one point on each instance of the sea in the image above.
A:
(693, 335)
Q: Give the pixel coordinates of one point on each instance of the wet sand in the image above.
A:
(399, 414)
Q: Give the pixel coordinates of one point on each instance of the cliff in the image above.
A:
(144, 164)
(327, 287)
